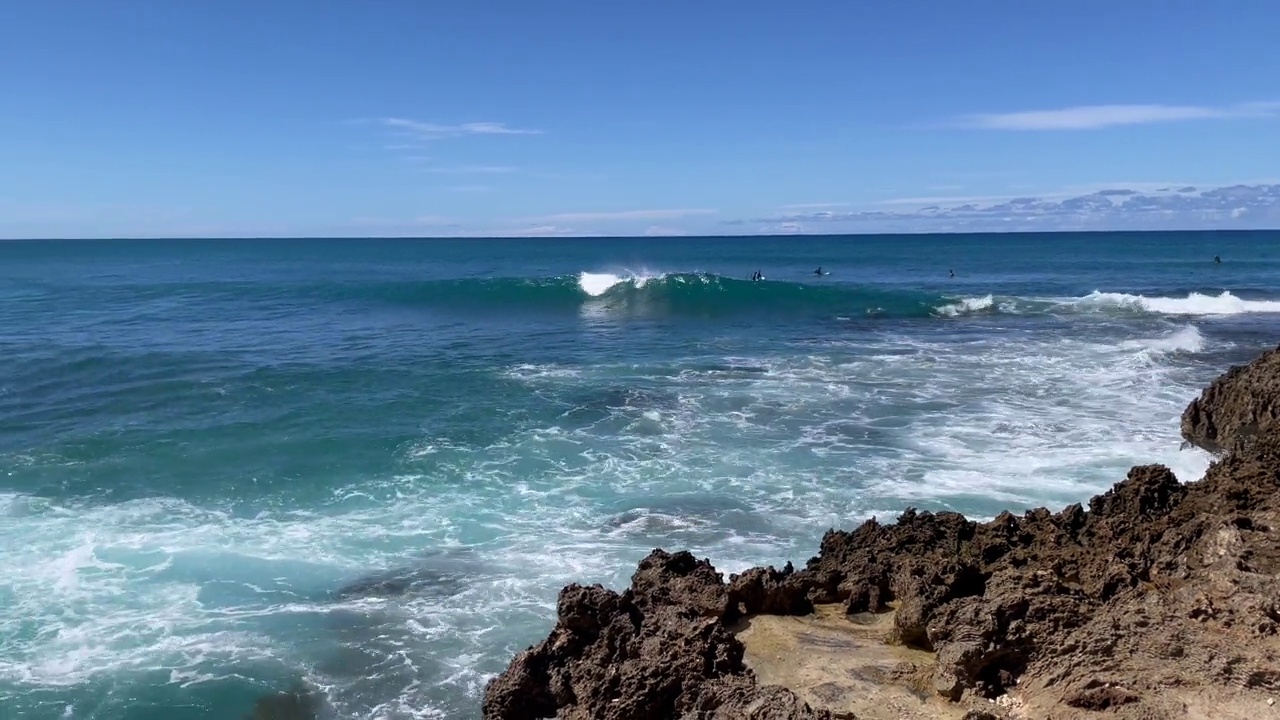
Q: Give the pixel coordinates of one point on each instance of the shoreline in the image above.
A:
(1157, 600)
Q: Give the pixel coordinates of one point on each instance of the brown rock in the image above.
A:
(740, 698)
(1098, 696)
(766, 590)
(1237, 407)
(648, 653)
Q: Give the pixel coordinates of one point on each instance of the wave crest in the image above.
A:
(1193, 304)
(968, 306)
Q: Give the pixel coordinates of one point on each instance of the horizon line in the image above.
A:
(708, 236)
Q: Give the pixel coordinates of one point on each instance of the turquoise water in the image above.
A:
(228, 467)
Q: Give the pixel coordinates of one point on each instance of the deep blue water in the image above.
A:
(212, 451)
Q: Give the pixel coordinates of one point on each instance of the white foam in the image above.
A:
(529, 372)
(597, 284)
(967, 306)
(1185, 340)
(1192, 304)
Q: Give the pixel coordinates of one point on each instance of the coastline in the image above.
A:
(1157, 600)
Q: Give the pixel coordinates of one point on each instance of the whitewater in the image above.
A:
(364, 469)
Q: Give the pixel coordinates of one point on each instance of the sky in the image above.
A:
(121, 118)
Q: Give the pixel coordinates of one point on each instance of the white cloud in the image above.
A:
(1092, 117)
(539, 231)
(1137, 207)
(435, 131)
(622, 215)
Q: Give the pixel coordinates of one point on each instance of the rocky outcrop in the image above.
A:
(661, 649)
(1241, 405)
(1157, 596)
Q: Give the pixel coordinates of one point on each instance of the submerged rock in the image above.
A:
(297, 703)
(403, 581)
(1158, 600)
(440, 572)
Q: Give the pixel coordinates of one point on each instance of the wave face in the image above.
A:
(709, 295)
(655, 295)
(229, 468)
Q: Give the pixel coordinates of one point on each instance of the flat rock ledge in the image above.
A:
(1161, 599)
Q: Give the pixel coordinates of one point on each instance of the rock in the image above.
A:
(740, 698)
(1097, 697)
(1237, 407)
(867, 592)
(766, 590)
(651, 652)
(679, 580)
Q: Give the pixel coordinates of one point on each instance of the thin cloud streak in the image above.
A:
(1094, 117)
(436, 131)
(664, 231)
(945, 200)
(473, 170)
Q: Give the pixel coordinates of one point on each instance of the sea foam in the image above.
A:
(1194, 303)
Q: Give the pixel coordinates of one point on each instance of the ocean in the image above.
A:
(366, 467)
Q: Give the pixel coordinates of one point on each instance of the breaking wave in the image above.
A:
(1193, 304)
(707, 294)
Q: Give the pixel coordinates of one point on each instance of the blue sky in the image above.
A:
(128, 118)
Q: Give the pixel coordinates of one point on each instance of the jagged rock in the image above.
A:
(644, 654)
(1237, 407)
(868, 592)
(770, 591)
(679, 580)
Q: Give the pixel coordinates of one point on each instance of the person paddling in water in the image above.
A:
(818, 271)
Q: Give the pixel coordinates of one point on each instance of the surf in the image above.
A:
(1195, 303)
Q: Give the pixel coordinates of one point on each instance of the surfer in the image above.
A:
(818, 271)
(756, 276)
(951, 273)
(1217, 260)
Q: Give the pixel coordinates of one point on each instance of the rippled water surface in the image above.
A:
(232, 467)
